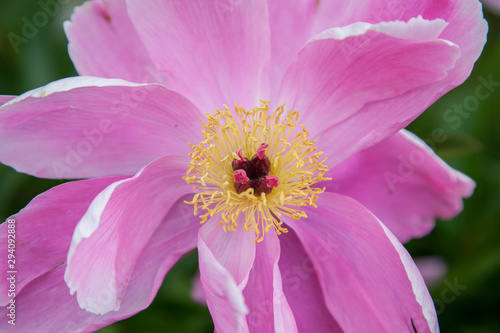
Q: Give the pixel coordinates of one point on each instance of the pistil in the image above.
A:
(257, 169)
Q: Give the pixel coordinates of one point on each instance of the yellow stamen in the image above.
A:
(293, 157)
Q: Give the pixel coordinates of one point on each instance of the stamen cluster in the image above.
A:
(277, 180)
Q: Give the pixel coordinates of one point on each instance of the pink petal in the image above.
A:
(4, 99)
(234, 250)
(404, 183)
(376, 90)
(116, 228)
(466, 26)
(369, 281)
(104, 43)
(45, 226)
(302, 287)
(338, 13)
(224, 298)
(291, 28)
(60, 312)
(269, 310)
(214, 52)
(88, 127)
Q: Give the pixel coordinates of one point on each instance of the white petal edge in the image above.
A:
(226, 287)
(417, 282)
(416, 28)
(70, 83)
(89, 223)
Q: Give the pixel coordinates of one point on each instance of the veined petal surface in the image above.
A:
(213, 52)
(118, 225)
(103, 42)
(368, 279)
(60, 311)
(86, 127)
(404, 183)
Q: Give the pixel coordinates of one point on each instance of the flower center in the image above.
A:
(253, 168)
(254, 173)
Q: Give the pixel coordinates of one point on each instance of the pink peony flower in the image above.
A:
(282, 248)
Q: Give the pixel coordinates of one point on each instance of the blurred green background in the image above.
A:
(469, 244)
